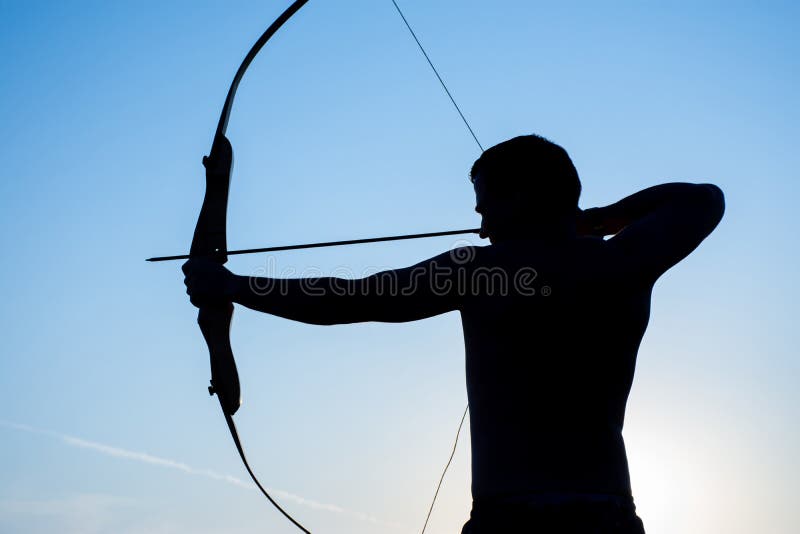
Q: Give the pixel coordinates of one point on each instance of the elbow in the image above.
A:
(716, 200)
(712, 200)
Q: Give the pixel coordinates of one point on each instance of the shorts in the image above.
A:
(549, 516)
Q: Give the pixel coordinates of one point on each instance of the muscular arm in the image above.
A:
(400, 295)
(611, 219)
(659, 226)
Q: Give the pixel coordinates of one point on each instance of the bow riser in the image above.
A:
(210, 241)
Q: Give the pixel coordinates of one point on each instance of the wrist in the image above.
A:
(237, 287)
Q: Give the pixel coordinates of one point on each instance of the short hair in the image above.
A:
(534, 167)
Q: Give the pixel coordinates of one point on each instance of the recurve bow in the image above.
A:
(210, 241)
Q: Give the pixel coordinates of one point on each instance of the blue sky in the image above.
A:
(340, 130)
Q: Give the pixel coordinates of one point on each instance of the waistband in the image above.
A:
(554, 512)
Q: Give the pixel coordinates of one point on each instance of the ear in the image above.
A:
(520, 204)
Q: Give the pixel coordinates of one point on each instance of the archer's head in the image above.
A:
(526, 187)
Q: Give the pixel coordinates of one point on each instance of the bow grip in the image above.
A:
(214, 322)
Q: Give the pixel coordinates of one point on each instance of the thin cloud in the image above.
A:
(142, 457)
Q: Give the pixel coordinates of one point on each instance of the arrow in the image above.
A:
(328, 244)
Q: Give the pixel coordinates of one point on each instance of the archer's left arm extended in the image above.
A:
(399, 295)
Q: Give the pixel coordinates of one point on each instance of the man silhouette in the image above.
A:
(552, 315)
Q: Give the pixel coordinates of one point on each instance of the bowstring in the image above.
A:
(475, 137)
(441, 479)
(436, 72)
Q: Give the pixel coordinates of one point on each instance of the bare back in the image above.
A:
(548, 373)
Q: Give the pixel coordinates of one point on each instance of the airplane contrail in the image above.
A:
(142, 457)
